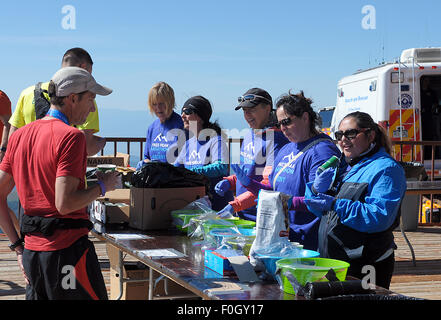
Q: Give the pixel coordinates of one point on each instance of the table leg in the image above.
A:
(151, 287)
(120, 274)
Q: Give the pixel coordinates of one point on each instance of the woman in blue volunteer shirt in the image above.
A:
(160, 144)
(356, 225)
(296, 164)
(206, 150)
(259, 147)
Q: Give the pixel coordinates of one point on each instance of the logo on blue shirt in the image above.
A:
(194, 155)
(160, 137)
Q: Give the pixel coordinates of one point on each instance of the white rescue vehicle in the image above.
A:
(403, 97)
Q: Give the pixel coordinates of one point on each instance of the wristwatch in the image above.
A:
(3, 149)
(16, 244)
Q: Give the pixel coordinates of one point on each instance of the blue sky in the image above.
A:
(218, 49)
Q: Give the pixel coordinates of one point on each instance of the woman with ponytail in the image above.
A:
(206, 150)
(296, 164)
(359, 214)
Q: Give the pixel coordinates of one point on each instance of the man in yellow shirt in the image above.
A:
(24, 112)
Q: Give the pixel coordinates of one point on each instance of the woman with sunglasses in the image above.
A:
(296, 164)
(206, 150)
(360, 212)
(159, 139)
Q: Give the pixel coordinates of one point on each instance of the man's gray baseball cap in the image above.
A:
(70, 80)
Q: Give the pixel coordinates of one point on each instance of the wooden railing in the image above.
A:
(232, 141)
(413, 144)
(116, 141)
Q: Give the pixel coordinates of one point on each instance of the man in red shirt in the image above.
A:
(47, 161)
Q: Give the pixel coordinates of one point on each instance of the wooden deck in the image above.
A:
(422, 281)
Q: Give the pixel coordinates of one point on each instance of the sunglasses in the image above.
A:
(349, 134)
(251, 97)
(188, 111)
(284, 122)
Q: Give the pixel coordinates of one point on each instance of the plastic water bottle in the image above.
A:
(331, 163)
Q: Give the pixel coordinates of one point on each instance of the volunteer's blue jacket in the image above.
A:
(161, 139)
(366, 209)
(385, 187)
(210, 158)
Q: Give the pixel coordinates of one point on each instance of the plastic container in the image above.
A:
(241, 243)
(269, 260)
(181, 218)
(220, 235)
(308, 270)
(223, 235)
(242, 223)
(211, 224)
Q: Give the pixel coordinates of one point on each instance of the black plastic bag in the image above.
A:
(157, 174)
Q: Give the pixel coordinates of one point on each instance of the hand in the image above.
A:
(323, 181)
(321, 203)
(221, 187)
(241, 175)
(110, 179)
(227, 212)
(20, 264)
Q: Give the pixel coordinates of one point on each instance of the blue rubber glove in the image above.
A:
(323, 181)
(221, 187)
(140, 164)
(241, 174)
(227, 212)
(321, 203)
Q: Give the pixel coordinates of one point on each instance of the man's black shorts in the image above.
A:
(72, 273)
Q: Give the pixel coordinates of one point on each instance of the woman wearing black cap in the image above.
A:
(206, 151)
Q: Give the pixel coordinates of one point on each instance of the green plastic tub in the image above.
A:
(241, 243)
(242, 223)
(182, 217)
(308, 270)
(226, 223)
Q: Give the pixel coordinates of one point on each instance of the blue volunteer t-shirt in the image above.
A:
(259, 149)
(293, 179)
(161, 139)
(198, 154)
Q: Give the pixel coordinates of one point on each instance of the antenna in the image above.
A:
(382, 48)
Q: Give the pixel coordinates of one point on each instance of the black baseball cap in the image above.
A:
(253, 97)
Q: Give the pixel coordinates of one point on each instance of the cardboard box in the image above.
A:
(137, 270)
(113, 207)
(131, 290)
(117, 195)
(150, 208)
(94, 161)
(108, 212)
(126, 158)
